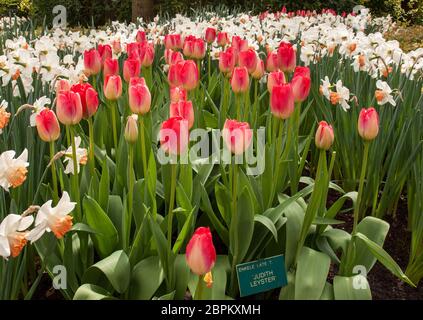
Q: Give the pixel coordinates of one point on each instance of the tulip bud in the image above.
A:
(69, 108)
(259, 72)
(174, 135)
(141, 37)
(177, 94)
(146, 54)
(200, 252)
(286, 57)
(188, 75)
(112, 87)
(117, 48)
(199, 50)
(301, 83)
(188, 48)
(105, 52)
(248, 59)
(136, 80)
(110, 67)
(237, 136)
(222, 39)
(139, 99)
(272, 63)
(89, 98)
(210, 35)
(92, 62)
(239, 44)
(227, 61)
(240, 80)
(131, 68)
(324, 136)
(174, 73)
(282, 101)
(184, 110)
(368, 124)
(275, 78)
(133, 50)
(62, 85)
(173, 41)
(131, 129)
(47, 125)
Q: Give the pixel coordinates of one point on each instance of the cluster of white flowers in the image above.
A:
(58, 52)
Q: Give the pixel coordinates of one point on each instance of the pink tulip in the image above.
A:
(146, 54)
(240, 80)
(89, 98)
(210, 35)
(200, 252)
(227, 61)
(139, 99)
(136, 80)
(68, 107)
(237, 136)
(368, 124)
(199, 50)
(47, 125)
(131, 129)
(173, 75)
(173, 41)
(92, 62)
(62, 85)
(105, 52)
(239, 44)
(131, 68)
(324, 136)
(184, 110)
(301, 83)
(259, 71)
(117, 48)
(248, 59)
(272, 63)
(112, 87)
(177, 94)
(275, 78)
(110, 67)
(222, 39)
(286, 57)
(188, 75)
(174, 135)
(141, 36)
(282, 101)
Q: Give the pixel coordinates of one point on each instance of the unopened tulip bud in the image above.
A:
(248, 59)
(324, 136)
(240, 80)
(237, 136)
(227, 61)
(368, 124)
(139, 99)
(200, 252)
(89, 98)
(62, 85)
(199, 50)
(92, 61)
(131, 129)
(110, 67)
(189, 75)
(282, 101)
(146, 54)
(68, 107)
(47, 125)
(259, 72)
(184, 110)
(174, 136)
(112, 87)
(131, 68)
(275, 78)
(286, 57)
(301, 83)
(105, 52)
(272, 63)
(222, 39)
(210, 35)
(177, 94)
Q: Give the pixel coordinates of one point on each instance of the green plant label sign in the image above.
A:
(261, 275)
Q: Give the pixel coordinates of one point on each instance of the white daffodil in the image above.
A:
(38, 106)
(340, 96)
(4, 115)
(53, 219)
(325, 87)
(13, 171)
(12, 234)
(383, 94)
(81, 157)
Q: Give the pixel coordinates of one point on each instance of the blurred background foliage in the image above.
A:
(85, 12)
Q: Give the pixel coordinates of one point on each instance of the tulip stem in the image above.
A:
(360, 187)
(142, 141)
(238, 106)
(278, 151)
(199, 291)
(114, 127)
(209, 66)
(171, 203)
(91, 152)
(75, 176)
(256, 98)
(130, 192)
(53, 174)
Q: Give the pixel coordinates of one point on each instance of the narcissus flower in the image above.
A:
(324, 136)
(383, 93)
(286, 57)
(12, 234)
(368, 124)
(13, 171)
(184, 110)
(282, 101)
(240, 80)
(81, 157)
(37, 107)
(53, 219)
(139, 99)
(200, 252)
(4, 115)
(112, 87)
(174, 135)
(92, 62)
(89, 98)
(237, 136)
(69, 107)
(47, 125)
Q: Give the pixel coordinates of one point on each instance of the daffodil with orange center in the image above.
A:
(13, 234)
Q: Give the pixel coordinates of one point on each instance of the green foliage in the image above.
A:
(16, 7)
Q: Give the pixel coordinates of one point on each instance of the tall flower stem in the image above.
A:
(234, 213)
(115, 142)
(130, 192)
(278, 152)
(53, 174)
(357, 214)
(200, 289)
(238, 106)
(91, 151)
(256, 98)
(208, 66)
(171, 203)
(142, 141)
(75, 176)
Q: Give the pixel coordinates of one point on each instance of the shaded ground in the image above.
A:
(409, 37)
